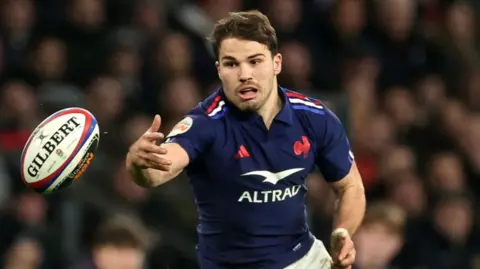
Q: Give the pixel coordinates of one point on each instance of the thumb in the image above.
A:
(155, 124)
(337, 243)
(338, 237)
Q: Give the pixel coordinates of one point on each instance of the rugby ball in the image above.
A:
(59, 150)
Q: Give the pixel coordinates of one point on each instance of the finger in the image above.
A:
(156, 166)
(154, 158)
(155, 124)
(146, 164)
(337, 243)
(152, 148)
(165, 168)
(349, 260)
(142, 164)
(345, 250)
(153, 165)
(153, 136)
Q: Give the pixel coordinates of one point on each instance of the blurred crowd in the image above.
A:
(403, 75)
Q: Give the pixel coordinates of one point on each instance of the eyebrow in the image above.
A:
(249, 57)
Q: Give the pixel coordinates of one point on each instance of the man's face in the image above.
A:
(247, 71)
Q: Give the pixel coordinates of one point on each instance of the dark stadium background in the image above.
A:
(403, 75)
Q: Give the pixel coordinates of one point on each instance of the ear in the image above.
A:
(217, 65)
(277, 63)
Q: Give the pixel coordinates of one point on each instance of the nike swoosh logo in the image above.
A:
(273, 178)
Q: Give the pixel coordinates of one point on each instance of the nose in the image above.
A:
(245, 73)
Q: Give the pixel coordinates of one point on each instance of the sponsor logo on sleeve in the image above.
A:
(182, 127)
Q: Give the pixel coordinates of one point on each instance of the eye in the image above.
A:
(255, 61)
(230, 64)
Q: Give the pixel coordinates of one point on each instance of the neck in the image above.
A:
(272, 107)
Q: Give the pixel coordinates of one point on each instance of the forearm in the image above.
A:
(350, 208)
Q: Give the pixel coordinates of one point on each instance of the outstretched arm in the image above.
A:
(151, 164)
(177, 160)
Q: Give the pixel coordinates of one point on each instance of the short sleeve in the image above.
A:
(194, 134)
(334, 156)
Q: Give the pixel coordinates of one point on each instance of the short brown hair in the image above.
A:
(388, 214)
(247, 25)
(122, 232)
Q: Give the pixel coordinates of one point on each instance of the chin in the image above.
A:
(251, 105)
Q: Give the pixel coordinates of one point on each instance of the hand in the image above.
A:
(343, 250)
(145, 153)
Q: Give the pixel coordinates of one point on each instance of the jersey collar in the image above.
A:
(285, 115)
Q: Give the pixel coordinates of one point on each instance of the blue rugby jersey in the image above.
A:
(249, 182)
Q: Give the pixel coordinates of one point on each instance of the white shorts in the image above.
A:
(316, 258)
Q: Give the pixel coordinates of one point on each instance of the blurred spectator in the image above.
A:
(431, 95)
(405, 55)
(19, 106)
(49, 60)
(445, 174)
(18, 18)
(397, 160)
(407, 190)
(445, 243)
(297, 67)
(26, 253)
(380, 238)
(180, 96)
(149, 17)
(454, 119)
(174, 55)
(401, 107)
(105, 98)
(124, 64)
(119, 243)
(46, 70)
(460, 41)
(84, 36)
(340, 38)
(285, 16)
(24, 227)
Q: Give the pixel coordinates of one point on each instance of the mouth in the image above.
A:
(248, 93)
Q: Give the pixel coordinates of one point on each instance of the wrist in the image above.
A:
(341, 232)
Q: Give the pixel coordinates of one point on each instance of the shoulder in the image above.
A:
(305, 105)
(213, 107)
(316, 114)
(202, 119)
(208, 111)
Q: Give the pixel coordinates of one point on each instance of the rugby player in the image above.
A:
(247, 150)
